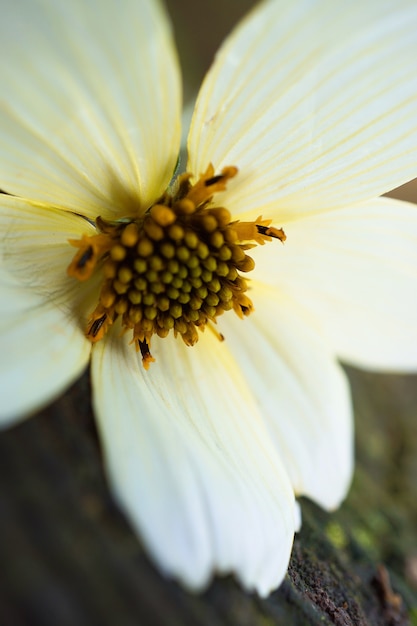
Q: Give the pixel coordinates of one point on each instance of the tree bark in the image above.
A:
(69, 557)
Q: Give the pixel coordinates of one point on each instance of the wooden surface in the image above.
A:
(69, 558)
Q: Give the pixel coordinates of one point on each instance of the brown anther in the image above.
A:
(96, 325)
(271, 232)
(84, 256)
(208, 184)
(147, 357)
(90, 251)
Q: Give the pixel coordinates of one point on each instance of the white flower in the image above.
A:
(315, 103)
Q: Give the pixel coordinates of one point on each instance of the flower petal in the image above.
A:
(301, 390)
(41, 351)
(42, 343)
(90, 116)
(315, 102)
(36, 252)
(191, 463)
(355, 271)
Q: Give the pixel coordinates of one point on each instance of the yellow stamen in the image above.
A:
(176, 268)
(147, 357)
(98, 324)
(259, 231)
(209, 184)
(91, 250)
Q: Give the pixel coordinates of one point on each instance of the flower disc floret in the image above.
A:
(176, 268)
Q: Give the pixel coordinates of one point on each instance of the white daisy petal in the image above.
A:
(42, 344)
(191, 462)
(315, 102)
(36, 252)
(90, 113)
(41, 351)
(355, 271)
(302, 392)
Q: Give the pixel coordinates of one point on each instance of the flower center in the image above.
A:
(176, 268)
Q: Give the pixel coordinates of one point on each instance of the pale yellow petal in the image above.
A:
(42, 351)
(355, 272)
(301, 390)
(90, 103)
(315, 102)
(35, 251)
(191, 463)
(43, 312)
